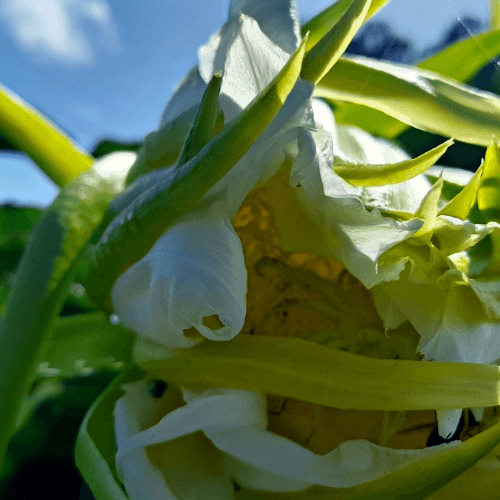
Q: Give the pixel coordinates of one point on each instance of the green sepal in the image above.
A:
(494, 14)
(488, 202)
(208, 123)
(96, 449)
(107, 146)
(427, 211)
(460, 61)
(461, 204)
(164, 195)
(320, 59)
(42, 280)
(390, 173)
(303, 370)
(321, 24)
(419, 98)
(28, 130)
(488, 195)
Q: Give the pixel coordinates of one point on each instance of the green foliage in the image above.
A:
(15, 227)
(45, 441)
(42, 284)
(107, 147)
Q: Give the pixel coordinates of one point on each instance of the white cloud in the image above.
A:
(60, 29)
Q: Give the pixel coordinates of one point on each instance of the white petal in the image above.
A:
(478, 413)
(448, 421)
(277, 20)
(137, 473)
(388, 311)
(351, 234)
(194, 468)
(456, 176)
(251, 63)
(235, 421)
(195, 270)
(186, 95)
(115, 166)
(216, 410)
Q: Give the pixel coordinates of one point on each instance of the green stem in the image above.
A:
(31, 132)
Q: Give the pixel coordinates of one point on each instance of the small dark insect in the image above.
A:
(435, 439)
(157, 388)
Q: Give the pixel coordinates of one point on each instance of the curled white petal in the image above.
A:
(235, 422)
(194, 468)
(136, 472)
(194, 271)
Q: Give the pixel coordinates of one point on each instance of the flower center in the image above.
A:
(315, 298)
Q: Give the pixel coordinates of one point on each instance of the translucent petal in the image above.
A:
(251, 63)
(186, 95)
(448, 421)
(270, 16)
(195, 270)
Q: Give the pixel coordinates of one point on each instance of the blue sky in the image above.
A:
(105, 68)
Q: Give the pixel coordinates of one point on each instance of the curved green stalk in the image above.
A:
(31, 132)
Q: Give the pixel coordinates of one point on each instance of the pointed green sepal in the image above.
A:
(320, 59)
(461, 205)
(208, 123)
(321, 24)
(390, 173)
(488, 196)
